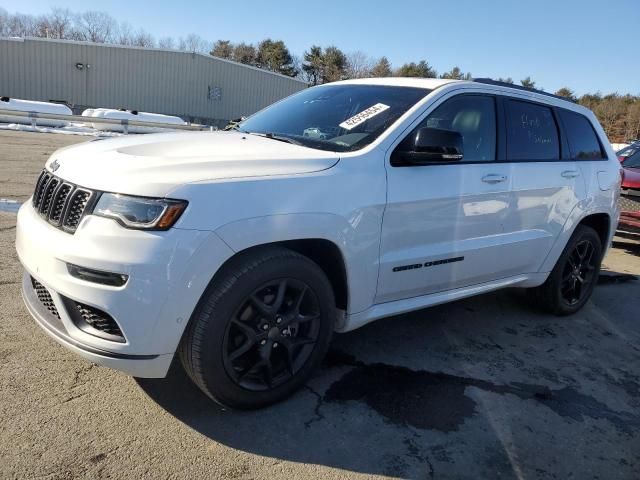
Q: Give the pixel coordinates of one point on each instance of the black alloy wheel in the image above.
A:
(579, 272)
(261, 328)
(574, 276)
(272, 334)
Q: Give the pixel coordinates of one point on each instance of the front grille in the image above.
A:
(45, 297)
(629, 203)
(61, 203)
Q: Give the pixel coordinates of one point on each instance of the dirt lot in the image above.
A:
(481, 388)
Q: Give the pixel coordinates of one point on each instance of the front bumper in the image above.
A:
(167, 273)
(150, 366)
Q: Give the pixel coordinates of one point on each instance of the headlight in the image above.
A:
(140, 212)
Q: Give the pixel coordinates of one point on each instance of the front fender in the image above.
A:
(357, 238)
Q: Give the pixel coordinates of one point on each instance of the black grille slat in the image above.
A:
(47, 197)
(61, 203)
(98, 319)
(77, 205)
(45, 297)
(40, 184)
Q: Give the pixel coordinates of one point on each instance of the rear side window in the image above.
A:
(532, 133)
(583, 142)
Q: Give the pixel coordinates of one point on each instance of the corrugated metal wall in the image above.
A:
(190, 85)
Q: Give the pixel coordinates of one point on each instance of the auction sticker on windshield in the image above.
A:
(363, 116)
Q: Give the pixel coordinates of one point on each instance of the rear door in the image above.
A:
(442, 224)
(547, 183)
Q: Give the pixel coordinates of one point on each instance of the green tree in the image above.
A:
(528, 83)
(275, 56)
(312, 64)
(456, 74)
(322, 66)
(382, 68)
(334, 63)
(244, 53)
(422, 69)
(222, 49)
(567, 93)
(505, 80)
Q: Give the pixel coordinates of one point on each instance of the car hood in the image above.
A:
(155, 164)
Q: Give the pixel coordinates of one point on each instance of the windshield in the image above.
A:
(628, 151)
(339, 118)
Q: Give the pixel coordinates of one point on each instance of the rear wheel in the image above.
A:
(574, 276)
(260, 330)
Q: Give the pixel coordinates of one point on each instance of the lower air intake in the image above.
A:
(45, 297)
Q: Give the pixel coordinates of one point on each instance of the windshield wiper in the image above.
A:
(279, 138)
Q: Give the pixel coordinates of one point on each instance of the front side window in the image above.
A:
(583, 142)
(474, 118)
(340, 118)
(532, 133)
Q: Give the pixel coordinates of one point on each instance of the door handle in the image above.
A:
(570, 173)
(494, 178)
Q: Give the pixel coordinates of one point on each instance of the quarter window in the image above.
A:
(532, 133)
(474, 117)
(583, 141)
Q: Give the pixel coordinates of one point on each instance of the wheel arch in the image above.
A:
(601, 223)
(599, 220)
(324, 253)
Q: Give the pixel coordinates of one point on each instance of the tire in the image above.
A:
(556, 295)
(244, 349)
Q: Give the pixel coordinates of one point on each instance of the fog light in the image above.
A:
(97, 276)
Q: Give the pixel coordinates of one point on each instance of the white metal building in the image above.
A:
(194, 86)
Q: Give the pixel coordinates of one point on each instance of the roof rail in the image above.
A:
(490, 81)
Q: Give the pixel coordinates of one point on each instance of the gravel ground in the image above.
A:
(481, 388)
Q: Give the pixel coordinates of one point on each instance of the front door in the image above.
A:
(443, 224)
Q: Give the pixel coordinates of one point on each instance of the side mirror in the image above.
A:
(429, 145)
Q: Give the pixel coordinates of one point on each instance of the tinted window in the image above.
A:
(474, 117)
(532, 133)
(338, 118)
(583, 141)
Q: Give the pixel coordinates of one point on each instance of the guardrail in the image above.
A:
(34, 116)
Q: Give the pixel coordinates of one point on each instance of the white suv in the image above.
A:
(243, 251)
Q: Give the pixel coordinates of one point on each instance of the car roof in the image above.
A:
(426, 83)
(486, 84)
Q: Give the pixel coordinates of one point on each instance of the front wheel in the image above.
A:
(574, 276)
(260, 330)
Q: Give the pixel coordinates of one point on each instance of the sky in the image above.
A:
(587, 45)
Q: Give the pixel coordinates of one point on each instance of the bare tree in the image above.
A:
(359, 65)
(20, 25)
(60, 23)
(4, 22)
(95, 26)
(125, 34)
(167, 42)
(143, 39)
(193, 43)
